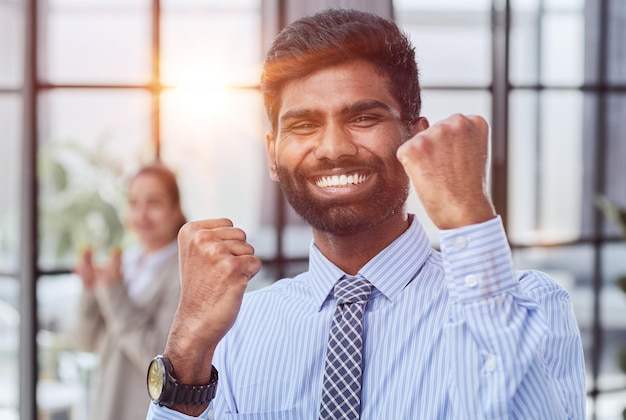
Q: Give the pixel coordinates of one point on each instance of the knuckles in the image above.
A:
(470, 128)
(189, 228)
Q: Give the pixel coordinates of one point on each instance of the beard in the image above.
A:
(344, 216)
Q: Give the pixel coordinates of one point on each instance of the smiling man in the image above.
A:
(381, 326)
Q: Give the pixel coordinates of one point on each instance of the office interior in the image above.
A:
(89, 91)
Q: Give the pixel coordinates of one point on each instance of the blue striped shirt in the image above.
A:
(456, 334)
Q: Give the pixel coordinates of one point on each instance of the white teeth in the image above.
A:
(341, 180)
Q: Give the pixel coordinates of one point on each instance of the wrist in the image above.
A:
(192, 360)
(167, 389)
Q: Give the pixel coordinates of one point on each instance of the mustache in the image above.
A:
(344, 162)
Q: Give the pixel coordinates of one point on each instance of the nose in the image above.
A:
(139, 212)
(334, 143)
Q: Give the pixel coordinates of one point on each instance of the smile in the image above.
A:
(341, 180)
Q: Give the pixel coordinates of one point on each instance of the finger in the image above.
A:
(205, 244)
(87, 255)
(115, 259)
(236, 247)
(251, 265)
(237, 267)
(116, 254)
(202, 236)
(190, 227)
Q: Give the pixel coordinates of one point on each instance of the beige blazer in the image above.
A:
(126, 335)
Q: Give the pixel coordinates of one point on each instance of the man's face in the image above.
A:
(334, 151)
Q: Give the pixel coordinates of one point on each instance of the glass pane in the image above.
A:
(248, 4)
(562, 52)
(610, 406)
(97, 43)
(62, 388)
(214, 140)
(98, 3)
(524, 45)
(545, 166)
(482, 5)
(612, 310)
(615, 52)
(10, 167)
(575, 5)
(440, 104)
(547, 47)
(9, 347)
(452, 44)
(90, 140)
(560, 5)
(613, 163)
(11, 44)
(194, 50)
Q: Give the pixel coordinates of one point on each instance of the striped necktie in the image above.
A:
(341, 392)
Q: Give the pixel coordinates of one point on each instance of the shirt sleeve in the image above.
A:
(514, 350)
(157, 412)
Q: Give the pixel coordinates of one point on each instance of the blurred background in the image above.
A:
(92, 89)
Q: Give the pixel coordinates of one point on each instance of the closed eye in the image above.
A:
(302, 128)
(366, 121)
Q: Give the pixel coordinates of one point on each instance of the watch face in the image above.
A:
(156, 378)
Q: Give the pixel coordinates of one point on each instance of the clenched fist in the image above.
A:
(216, 264)
(447, 164)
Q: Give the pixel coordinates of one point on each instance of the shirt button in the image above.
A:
(460, 242)
(490, 363)
(471, 281)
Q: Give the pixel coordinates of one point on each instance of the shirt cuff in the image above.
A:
(477, 261)
(157, 412)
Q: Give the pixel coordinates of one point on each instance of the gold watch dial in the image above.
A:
(156, 376)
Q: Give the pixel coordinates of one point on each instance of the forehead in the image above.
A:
(334, 88)
(147, 183)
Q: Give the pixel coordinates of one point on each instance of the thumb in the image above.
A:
(115, 258)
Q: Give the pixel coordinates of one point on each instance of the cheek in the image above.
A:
(289, 151)
(160, 215)
(133, 216)
(168, 219)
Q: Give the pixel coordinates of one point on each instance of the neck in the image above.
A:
(351, 252)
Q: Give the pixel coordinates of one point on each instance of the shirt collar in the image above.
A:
(389, 271)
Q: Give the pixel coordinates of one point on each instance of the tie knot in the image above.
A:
(352, 290)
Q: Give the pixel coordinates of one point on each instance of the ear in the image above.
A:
(270, 145)
(420, 125)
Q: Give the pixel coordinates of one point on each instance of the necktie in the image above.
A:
(341, 392)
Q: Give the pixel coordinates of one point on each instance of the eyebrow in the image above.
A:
(354, 108)
(361, 106)
(300, 113)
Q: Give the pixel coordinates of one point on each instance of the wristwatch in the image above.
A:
(164, 389)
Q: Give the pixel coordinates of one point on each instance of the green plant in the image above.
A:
(81, 194)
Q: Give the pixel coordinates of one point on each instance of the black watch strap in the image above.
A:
(165, 389)
(193, 394)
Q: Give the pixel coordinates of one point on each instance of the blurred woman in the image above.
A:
(128, 302)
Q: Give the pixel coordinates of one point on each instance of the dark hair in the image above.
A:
(335, 36)
(167, 178)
